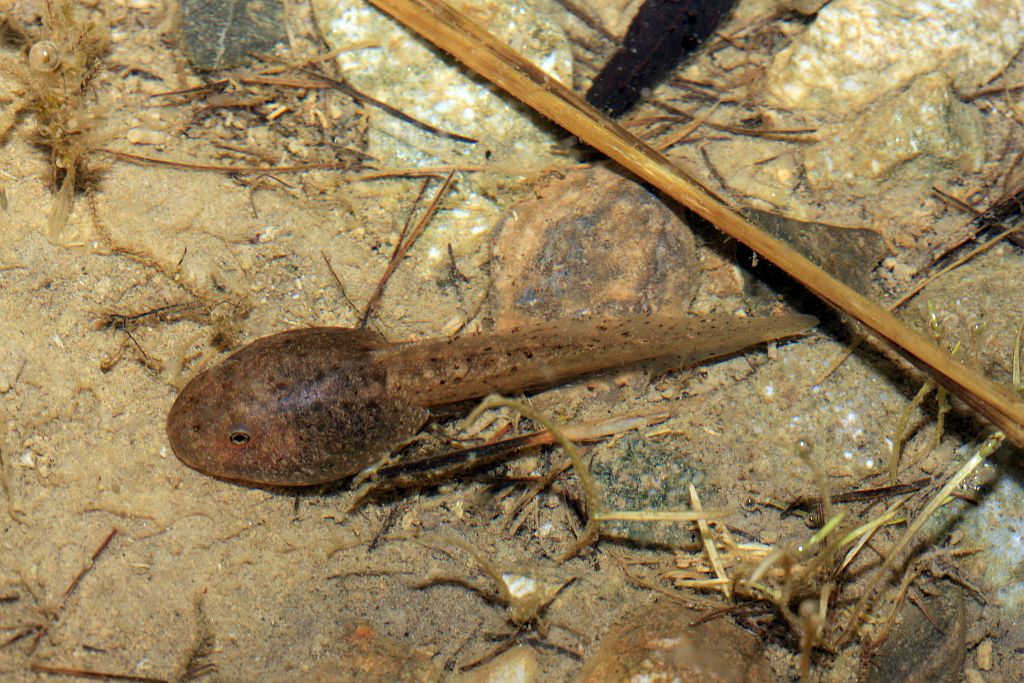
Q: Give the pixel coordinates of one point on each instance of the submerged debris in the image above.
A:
(849, 254)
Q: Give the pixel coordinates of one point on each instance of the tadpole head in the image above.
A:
(296, 408)
(221, 427)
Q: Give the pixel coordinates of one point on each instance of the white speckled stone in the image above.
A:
(518, 665)
(925, 124)
(387, 62)
(382, 59)
(858, 50)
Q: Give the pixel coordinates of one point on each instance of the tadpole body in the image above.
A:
(316, 404)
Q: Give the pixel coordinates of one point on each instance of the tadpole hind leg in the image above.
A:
(434, 469)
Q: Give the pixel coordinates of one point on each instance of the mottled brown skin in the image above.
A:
(317, 404)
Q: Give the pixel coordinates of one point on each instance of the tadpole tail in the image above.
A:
(474, 365)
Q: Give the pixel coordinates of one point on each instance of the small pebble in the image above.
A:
(146, 136)
(520, 586)
(657, 643)
(974, 676)
(983, 657)
(518, 665)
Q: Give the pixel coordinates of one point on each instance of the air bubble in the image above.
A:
(44, 56)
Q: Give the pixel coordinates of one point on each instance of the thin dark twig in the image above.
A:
(322, 82)
(92, 562)
(88, 673)
(325, 82)
(589, 21)
(473, 457)
(1006, 207)
(419, 172)
(379, 290)
(337, 280)
(803, 135)
(424, 186)
(387, 108)
(255, 186)
(298, 168)
(880, 492)
(389, 520)
(986, 92)
(45, 628)
(123, 320)
(403, 248)
(757, 607)
(136, 343)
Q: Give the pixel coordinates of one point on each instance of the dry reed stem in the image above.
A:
(495, 61)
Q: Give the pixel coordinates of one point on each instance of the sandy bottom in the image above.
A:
(115, 557)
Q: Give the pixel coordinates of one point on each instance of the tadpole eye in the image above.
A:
(239, 437)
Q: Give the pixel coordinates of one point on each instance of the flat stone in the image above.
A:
(225, 34)
(919, 651)
(657, 643)
(858, 50)
(640, 474)
(382, 59)
(925, 125)
(591, 242)
(518, 665)
(365, 654)
(847, 253)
